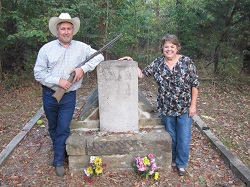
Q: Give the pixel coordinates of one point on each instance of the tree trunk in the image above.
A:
(216, 59)
(1, 68)
(179, 21)
(224, 35)
(102, 24)
(136, 26)
(246, 59)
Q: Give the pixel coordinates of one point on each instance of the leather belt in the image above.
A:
(50, 90)
(47, 89)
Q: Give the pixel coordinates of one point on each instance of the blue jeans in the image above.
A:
(179, 128)
(59, 116)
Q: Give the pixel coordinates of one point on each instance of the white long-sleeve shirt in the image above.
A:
(54, 61)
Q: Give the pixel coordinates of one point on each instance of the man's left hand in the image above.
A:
(79, 74)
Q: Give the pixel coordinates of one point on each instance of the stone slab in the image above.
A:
(118, 150)
(118, 95)
(90, 105)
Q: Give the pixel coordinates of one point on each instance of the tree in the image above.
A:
(218, 36)
(1, 68)
(222, 27)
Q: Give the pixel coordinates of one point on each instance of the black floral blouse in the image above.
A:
(174, 86)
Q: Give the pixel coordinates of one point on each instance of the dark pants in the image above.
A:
(59, 116)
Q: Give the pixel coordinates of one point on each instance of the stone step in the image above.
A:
(118, 150)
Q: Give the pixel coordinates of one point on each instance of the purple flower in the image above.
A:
(153, 166)
(138, 161)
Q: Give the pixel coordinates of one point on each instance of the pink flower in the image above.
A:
(150, 156)
(142, 167)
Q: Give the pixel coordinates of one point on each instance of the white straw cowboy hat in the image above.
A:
(64, 17)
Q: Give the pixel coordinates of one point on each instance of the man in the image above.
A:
(55, 61)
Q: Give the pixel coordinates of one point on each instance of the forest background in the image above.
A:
(214, 33)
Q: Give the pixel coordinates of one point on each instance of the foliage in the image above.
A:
(206, 31)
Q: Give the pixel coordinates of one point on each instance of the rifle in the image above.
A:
(60, 91)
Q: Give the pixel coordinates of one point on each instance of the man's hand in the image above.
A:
(126, 58)
(79, 74)
(64, 84)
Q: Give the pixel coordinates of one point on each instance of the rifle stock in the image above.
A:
(60, 91)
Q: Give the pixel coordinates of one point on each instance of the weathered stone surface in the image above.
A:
(147, 117)
(90, 105)
(90, 109)
(76, 144)
(78, 163)
(119, 150)
(114, 145)
(117, 163)
(118, 96)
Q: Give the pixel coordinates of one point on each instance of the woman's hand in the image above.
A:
(192, 110)
(140, 74)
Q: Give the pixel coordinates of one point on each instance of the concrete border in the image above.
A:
(237, 167)
(18, 138)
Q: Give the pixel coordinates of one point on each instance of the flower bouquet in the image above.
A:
(146, 166)
(95, 168)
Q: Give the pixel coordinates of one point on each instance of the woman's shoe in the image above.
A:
(174, 167)
(182, 171)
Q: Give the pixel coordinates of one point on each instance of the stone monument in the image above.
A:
(118, 96)
(117, 123)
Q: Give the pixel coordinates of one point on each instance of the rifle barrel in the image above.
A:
(60, 91)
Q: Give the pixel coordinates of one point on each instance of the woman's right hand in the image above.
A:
(140, 74)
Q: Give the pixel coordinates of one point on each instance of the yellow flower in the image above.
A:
(83, 182)
(156, 175)
(98, 169)
(97, 161)
(146, 161)
(90, 170)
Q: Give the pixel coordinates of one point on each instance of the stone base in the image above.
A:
(118, 150)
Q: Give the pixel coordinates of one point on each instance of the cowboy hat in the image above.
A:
(64, 17)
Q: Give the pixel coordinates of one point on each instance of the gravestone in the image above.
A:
(118, 96)
(123, 127)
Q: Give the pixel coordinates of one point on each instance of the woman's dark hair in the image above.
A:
(170, 38)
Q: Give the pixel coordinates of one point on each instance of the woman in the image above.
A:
(175, 75)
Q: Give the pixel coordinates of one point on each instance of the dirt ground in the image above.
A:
(224, 107)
